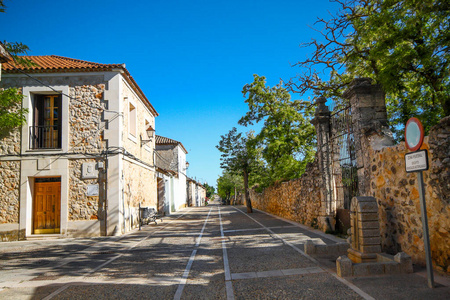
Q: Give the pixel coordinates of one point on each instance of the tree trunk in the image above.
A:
(446, 106)
(247, 196)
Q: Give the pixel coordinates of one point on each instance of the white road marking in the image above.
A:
(226, 266)
(61, 289)
(347, 283)
(97, 247)
(185, 276)
(305, 227)
(256, 229)
(103, 264)
(229, 289)
(277, 273)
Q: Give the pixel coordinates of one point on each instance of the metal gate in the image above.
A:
(344, 167)
(343, 156)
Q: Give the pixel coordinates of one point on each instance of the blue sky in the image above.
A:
(191, 58)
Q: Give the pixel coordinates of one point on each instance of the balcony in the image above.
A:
(45, 137)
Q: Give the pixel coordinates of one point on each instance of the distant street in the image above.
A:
(213, 252)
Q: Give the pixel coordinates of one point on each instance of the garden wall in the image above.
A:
(297, 200)
(397, 194)
(315, 198)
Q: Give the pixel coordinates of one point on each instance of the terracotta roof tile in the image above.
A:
(161, 140)
(55, 64)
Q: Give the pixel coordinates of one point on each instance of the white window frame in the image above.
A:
(132, 124)
(29, 92)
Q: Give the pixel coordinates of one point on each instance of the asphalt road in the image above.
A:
(213, 252)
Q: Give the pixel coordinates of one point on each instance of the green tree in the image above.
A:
(228, 184)
(401, 44)
(240, 157)
(287, 136)
(12, 115)
(209, 190)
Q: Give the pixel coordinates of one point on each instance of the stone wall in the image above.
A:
(10, 143)
(381, 174)
(81, 207)
(140, 188)
(301, 198)
(85, 118)
(397, 194)
(9, 192)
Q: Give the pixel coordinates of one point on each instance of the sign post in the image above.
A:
(417, 161)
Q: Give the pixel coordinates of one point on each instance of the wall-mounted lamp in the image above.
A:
(187, 165)
(150, 133)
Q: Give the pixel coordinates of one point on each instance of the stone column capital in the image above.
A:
(322, 114)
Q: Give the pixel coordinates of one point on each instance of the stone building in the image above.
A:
(83, 162)
(4, 57)
(171, 164)
(196, 193)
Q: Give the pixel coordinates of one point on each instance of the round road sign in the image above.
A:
(413, 134)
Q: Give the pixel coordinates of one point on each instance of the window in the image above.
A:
(132, 120)
(45, 133)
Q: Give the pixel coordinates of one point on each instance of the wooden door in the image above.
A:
(47, 207)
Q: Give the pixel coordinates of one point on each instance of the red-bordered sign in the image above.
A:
(413, 134)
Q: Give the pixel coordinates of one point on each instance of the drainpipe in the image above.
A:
(124, 229)
(106, 193)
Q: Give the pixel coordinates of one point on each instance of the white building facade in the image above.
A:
(171, 160)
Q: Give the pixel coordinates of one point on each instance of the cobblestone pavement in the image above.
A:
(213, 252)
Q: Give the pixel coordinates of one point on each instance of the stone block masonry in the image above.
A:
(85, 118)
(9, 193)
(298, 200)
(365, 237)
(398, 198)
(81, 206)
(383, 265)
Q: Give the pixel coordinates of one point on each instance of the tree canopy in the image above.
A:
(12, 114)
(239, 156)
(228, 184)
(401, 44)
(287, 136)
(209, 190)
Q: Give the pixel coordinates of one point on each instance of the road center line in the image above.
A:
(226, 265)
(185, 276)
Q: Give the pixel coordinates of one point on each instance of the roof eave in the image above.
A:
(114, 68)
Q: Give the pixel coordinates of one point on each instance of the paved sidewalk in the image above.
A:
(401, 286)
(213, 252)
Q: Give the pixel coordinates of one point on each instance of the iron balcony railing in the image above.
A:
(45, 137)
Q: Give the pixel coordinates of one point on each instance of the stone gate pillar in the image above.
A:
(321, 122)
(366, 241)
(370, 126)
